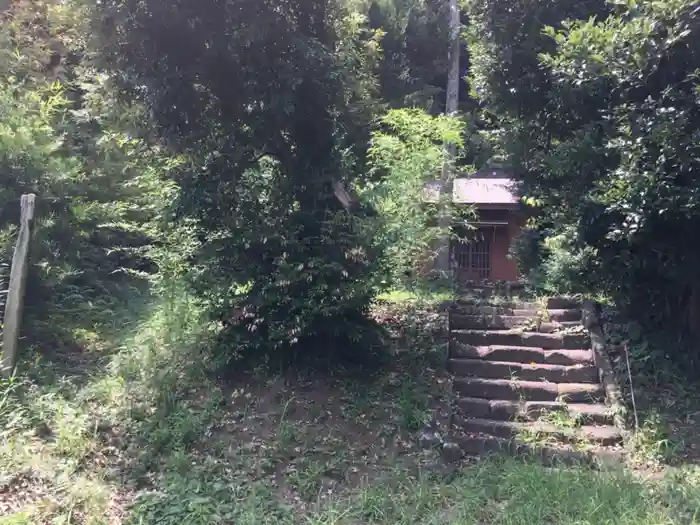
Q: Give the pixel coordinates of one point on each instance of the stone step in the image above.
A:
(508, 304)
(475, 288)
(580, 373)
(516, 390)
(501, 409)
(520, 354)
(549, 454)
(572, 314)
(554, 341)
(563, 303)
(550, 327)
(458, 321)
(494, 310)
(600, 435)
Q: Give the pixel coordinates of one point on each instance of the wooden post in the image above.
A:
(18, 278)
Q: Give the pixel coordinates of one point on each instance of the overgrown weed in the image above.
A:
(152, 439)
(82, 440)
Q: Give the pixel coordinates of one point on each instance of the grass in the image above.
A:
(668, 429)
(561, 420)
(151, 438)
(420, 295)
(667, 401)
(414, 297)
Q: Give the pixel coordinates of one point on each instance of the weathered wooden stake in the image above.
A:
(18, 278)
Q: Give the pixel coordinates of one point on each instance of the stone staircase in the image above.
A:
(525, 378)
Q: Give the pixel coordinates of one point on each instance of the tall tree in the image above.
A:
(413, 66)
(603, 121)
(266, 99)
(505, 39)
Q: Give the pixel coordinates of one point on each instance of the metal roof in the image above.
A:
(476, 190)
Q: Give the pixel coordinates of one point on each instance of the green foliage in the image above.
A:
(151, 439)
(504, 40)
(220, 167)
(11, 417)
(100, 183)
(527, 249)
(143, 409)
(413, 66)
(198, 147)
(607, 146)
(203, 500)
(407, 152)
(269, 113)
(414, 413)
(556, 263)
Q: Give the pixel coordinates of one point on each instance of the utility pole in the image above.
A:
(452, 100)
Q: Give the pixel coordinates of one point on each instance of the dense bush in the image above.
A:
(271, 114)
(101, 188)
(406, 153)
(249, 151)
(216, 146)
(557, 263)
(605, 141)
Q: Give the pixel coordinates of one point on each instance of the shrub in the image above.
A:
(406, 152)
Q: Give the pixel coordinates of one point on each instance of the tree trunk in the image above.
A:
(452, 99)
